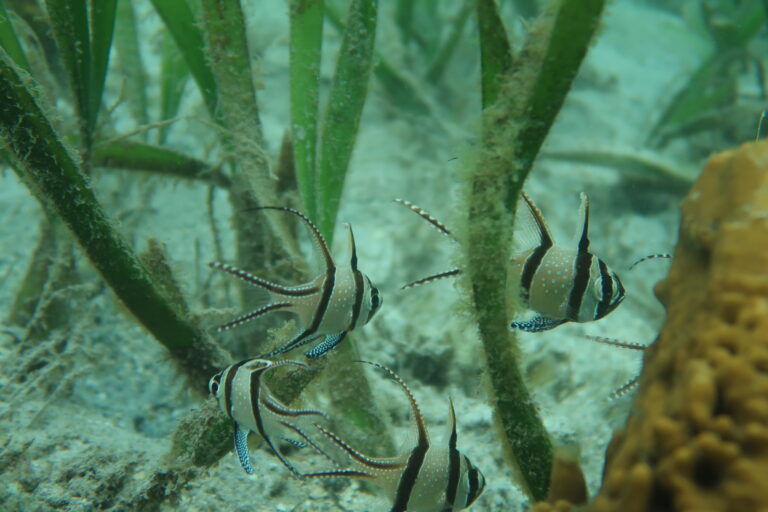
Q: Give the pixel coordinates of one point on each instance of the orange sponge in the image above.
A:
(697, 437)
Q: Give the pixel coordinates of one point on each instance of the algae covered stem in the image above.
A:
(529, 96)
(55, 179)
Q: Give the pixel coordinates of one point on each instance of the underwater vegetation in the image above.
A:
(713, 95)
(120, 118)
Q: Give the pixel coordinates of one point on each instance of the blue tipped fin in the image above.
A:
(329, 343)
(538, 324)
(241, 447)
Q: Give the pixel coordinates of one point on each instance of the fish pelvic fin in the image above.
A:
(538, 324)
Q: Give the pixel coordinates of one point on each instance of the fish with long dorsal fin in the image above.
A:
(332, 304)
(242, 394)
(428, 477)
(560, 284)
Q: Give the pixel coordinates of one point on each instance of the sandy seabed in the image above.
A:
(86, 411)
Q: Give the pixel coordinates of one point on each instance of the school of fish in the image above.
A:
(557, 283)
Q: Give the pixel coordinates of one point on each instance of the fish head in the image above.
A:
(224, 378)
(214, 385)
(608, 290)
(373, 299)
(471, 484)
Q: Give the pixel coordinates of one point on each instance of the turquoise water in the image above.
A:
(90, 400)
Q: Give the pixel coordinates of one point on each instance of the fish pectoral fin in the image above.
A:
(329, 343)
(538, 324)
(241, 447)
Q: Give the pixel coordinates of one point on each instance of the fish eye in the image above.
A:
(375, 298)
(375, 302)
(213, 384)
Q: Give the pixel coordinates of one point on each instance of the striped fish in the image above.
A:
(332, 304)
(560, 284)
(427, 478)
(245, 398)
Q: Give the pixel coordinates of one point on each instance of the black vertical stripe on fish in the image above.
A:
(474, 483)
(410, 475)
(353, 259)
(532, 264)
(322, 307)
(533, 261)
(325, 299)
(454, 466)
(581, 268)
(228, 386)
(359, 281)
(607, 290)
(416, 459)
(584, 239)
(328, 285)
(255, 392)
(580, 282)
(357, 305)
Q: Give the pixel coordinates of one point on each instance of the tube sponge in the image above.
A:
(697, 437)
